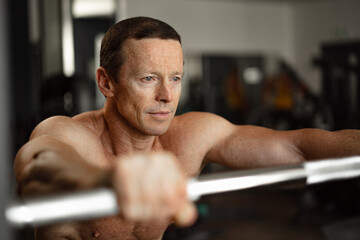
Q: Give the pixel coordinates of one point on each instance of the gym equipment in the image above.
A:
(102, 202)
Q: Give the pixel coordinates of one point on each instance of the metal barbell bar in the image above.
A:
(102, 202)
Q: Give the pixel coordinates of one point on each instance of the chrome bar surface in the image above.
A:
(243, 179)
(332, 169)
(73, 206)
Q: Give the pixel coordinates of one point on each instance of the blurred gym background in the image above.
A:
(283, 64)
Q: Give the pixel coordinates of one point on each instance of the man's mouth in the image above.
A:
(160, 115)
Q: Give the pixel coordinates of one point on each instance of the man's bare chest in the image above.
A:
(116, 228)
(189, 159)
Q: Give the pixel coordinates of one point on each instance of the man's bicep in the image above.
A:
(218, 133)
(233, 147)
(254, 146)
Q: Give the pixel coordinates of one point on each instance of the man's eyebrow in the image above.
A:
(178, 73)
(158, 73)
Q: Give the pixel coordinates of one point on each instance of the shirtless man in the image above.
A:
(137, 146)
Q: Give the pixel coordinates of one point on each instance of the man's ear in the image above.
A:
(104, 82)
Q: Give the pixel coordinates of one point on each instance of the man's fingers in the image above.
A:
(150, 187)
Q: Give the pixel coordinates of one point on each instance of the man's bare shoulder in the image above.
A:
(192, 135)
(77, 132)
(64, 125)
(199, 121)
(57, 126)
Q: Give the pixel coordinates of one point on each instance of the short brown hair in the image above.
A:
(111, 56)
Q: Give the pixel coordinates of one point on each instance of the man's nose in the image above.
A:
(164, 93)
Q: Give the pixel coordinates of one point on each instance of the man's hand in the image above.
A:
(152, 187)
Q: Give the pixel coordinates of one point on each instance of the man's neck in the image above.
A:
(122, 137)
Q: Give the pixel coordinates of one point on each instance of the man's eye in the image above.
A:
(148, 78)
(175, 79)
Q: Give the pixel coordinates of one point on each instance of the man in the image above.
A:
(137, 146)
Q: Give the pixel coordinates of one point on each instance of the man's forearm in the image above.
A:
(318, 144)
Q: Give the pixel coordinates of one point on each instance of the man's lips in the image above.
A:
(161, 115)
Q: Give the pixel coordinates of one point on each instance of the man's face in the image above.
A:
(149, 84)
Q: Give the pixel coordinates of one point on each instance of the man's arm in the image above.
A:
(318, 144)
(149, 186)
(254, 147)
(48, 164)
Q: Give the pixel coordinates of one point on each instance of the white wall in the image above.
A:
(222, 26)
(290, 30)
(320, 22)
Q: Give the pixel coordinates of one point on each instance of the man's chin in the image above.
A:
(156, 130)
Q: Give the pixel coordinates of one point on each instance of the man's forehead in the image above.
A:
(131, 42)
(152, 48)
